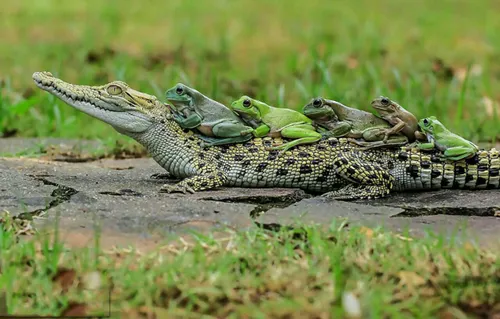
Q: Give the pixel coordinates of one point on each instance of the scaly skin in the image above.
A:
(277, 122)
(454, 146)
(331, 165)
(209, 117)
(342, 121)
(400, 119)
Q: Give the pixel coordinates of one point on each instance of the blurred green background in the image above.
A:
(433, 57)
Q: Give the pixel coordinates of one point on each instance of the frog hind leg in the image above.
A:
(459, 152)
(401, 140)
(302, 133)
(228, 132)
(379, 133)
(213, 141)
(426, 146)
(229, 128)
(374, 137)
(341, 128)
(374, 134)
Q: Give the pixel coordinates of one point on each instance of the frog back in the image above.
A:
(359, 118)
(213, 111)
(449, 139)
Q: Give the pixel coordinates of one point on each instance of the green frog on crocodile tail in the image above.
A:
(453, 146)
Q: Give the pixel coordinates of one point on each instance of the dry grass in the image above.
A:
(302, 273)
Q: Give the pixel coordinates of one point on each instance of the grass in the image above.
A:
(417, 53)
(308, 273)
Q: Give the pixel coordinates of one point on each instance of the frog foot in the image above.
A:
(387, 134)
(277, 150)
(204, 145)
(281, 147)
(176, 188)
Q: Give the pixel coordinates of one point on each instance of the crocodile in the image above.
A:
(331, 166)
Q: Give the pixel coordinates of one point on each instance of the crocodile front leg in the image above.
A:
(369, 180)
(200, 182)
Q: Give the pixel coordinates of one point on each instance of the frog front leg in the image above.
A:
(399, 141)
(301, 133)
(192, 121)
(400, 124)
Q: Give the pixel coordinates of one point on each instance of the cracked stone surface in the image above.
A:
(479, 229)
(19, 192)
(121, 197)
(448, 202)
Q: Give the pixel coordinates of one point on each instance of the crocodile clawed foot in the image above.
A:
(176, 188)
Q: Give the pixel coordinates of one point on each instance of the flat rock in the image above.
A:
(121, 197)
(324, 212)
(449, 202)
(20, 193)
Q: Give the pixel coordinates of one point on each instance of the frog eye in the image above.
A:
(114, 89)
(385, 101)
(179, 90)
(317, 102)
(426, 122)
(247, 103)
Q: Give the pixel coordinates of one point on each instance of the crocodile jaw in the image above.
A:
(94, 101)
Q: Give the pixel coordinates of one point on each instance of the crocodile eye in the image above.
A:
(179, 90)
(114, 89)
(317, 102)
(247, 103)
(385, 101)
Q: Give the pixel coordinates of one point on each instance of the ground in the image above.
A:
(99, 227)
(122, 197)
(276, 253)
